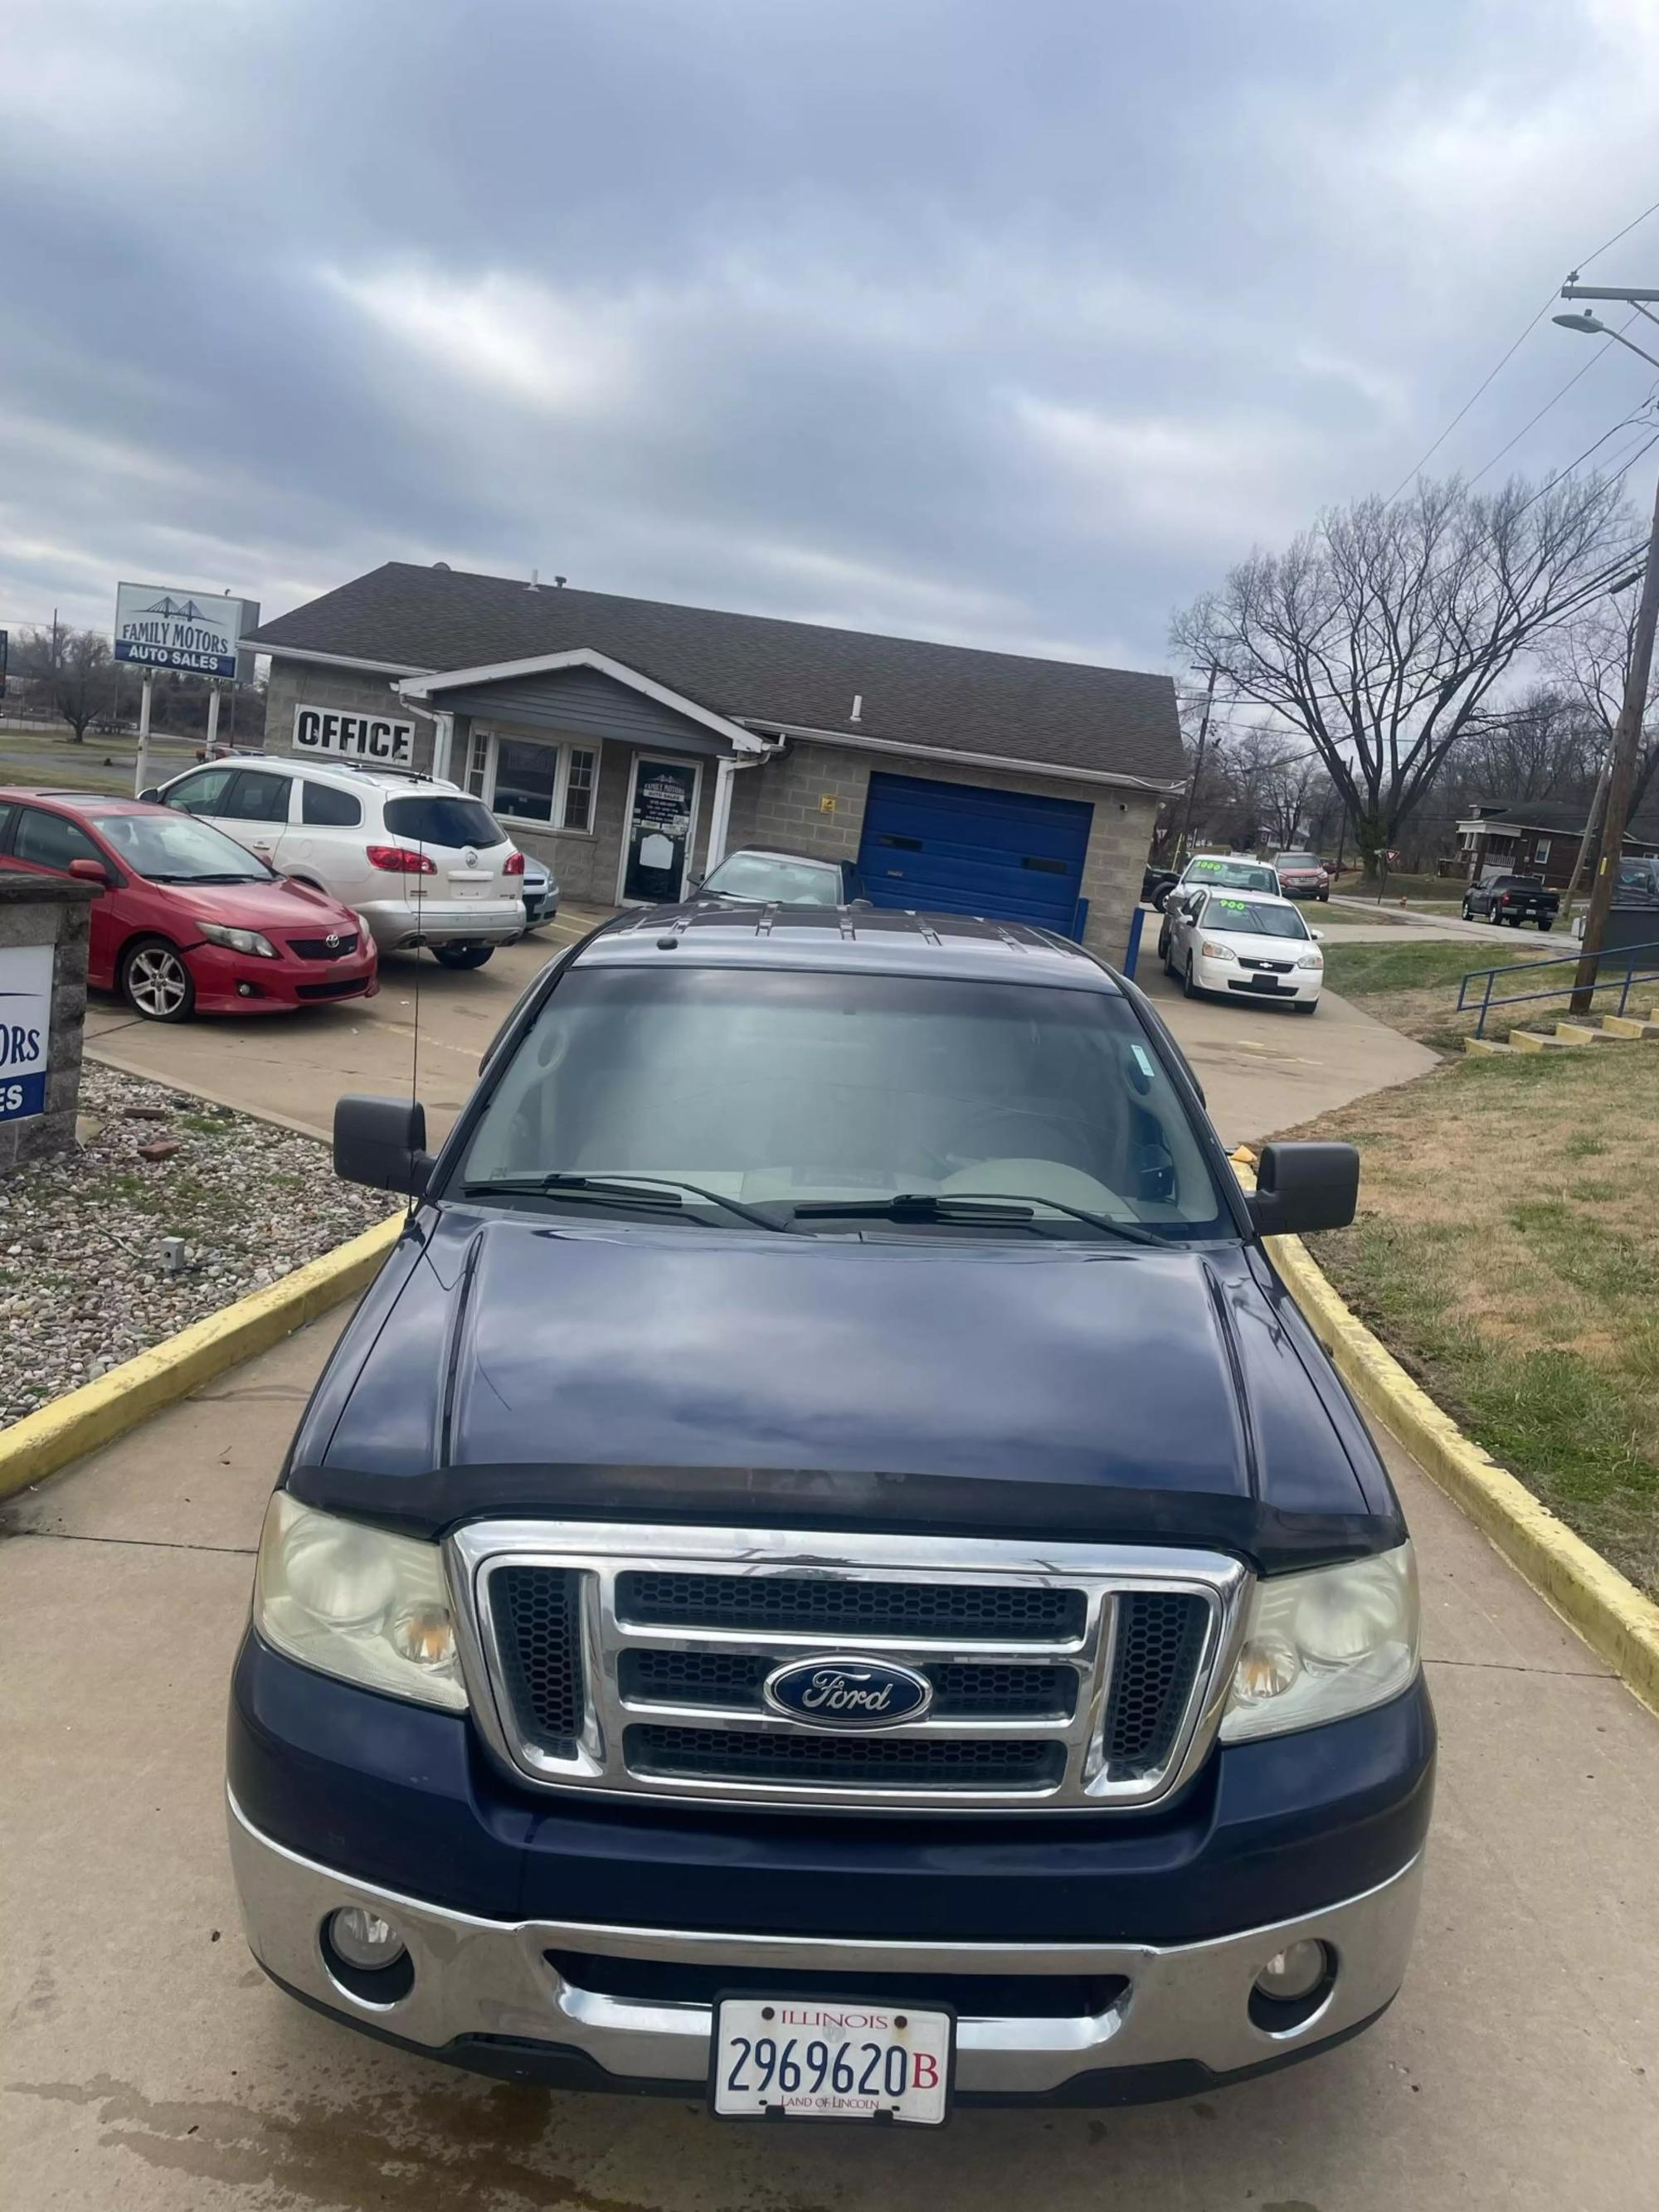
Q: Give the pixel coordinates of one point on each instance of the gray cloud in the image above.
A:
(1012, 325)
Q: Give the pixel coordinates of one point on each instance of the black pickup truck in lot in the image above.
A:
(1512, 899)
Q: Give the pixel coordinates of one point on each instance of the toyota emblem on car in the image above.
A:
(332, 940)
(847, 1693)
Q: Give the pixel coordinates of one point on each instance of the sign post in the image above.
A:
(141, 773)
(198, 633)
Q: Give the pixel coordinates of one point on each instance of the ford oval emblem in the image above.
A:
(847, 1693)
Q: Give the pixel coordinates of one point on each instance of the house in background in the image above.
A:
(630, 742)
(1528, 837)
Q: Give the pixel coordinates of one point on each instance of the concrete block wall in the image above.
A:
(46, 910)
(779, 804)
(343, 690)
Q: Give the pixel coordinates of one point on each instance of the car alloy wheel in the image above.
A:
(156, 983)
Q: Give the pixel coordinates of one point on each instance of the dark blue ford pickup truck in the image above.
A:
(828, 1568)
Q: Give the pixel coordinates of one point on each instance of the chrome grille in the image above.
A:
(634, 1659)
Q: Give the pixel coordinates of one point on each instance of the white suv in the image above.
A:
(421, 861)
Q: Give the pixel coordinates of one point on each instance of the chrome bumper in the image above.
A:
(487, 1977)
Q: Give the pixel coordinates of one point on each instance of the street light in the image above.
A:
(1594, 329)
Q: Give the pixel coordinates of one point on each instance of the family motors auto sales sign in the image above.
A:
(159, 627)
(25, 1029)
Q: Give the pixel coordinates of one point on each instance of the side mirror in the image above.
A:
(90, 872)
(1317, 935)
(151, 794)
(381, 1142)
(1303, 1187)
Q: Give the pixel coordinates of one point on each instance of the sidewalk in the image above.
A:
(149, 2066)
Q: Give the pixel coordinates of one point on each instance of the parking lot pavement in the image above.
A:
(292, 1067)
(149, 2065)
(1265, 1069)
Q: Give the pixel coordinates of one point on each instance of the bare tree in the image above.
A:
(73, 670)
(1380, 634)
(1591, 655)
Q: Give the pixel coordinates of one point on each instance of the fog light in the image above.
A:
(1294, 1973)
(363, 1940)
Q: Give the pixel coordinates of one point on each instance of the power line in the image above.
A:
(1584, 370)
(1615, 240)
(1509, 353)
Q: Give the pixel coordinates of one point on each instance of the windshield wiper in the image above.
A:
(979, 1206)
(660, 1191)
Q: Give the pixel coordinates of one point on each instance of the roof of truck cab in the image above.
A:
(847, 939)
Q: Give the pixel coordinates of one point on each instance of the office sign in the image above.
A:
(377, 738)
(25, 1029)
(159, 626)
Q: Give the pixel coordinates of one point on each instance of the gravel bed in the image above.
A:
(87, 1277)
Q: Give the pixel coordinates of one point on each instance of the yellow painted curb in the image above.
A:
(81, 1420)
(1614, 1619)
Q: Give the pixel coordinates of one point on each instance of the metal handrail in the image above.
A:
(1625, 953)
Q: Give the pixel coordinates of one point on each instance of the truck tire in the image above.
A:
(1546, 923)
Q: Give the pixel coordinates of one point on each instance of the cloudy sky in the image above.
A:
(1010, 322)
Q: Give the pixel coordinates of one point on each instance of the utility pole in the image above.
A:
(1627, 737)
(1198, 768)
(1587, 843)
(1621, 778)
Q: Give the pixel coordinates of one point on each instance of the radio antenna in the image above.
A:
(414, 1047)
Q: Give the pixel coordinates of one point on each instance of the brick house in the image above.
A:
(630, 742)
(1528, 837)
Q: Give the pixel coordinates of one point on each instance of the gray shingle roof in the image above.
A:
(1063, 713)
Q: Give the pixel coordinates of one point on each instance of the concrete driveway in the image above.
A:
(148, 2065)
(1265, 1068)
(292, 1067)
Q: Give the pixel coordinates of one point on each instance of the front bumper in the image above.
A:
(509, 1997)
(1228, 980)
(229, 982)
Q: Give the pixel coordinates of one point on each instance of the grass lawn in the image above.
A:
(1506, 1253)
(1413, 987)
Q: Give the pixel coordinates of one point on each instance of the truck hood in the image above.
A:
(678, 1371)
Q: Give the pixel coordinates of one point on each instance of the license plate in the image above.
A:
(471, 886)
(807, 2060)
(1266, 983)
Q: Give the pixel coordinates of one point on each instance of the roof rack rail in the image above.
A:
(381, 768)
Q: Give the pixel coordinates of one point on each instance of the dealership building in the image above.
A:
(630, 742)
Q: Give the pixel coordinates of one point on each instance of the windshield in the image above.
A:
(780, 1088)
(436, 819)
(788, 883)
(1237, 875)
(1233, 917)
(169, 848)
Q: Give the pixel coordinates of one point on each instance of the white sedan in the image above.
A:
(1241, 944)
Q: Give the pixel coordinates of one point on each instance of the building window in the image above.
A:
(524, 781)
(1541, 851)
(477, 765)
(581, 773)
(527, 778)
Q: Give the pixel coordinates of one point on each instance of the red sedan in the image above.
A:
(186, 921)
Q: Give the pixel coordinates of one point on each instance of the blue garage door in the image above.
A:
(959, 848)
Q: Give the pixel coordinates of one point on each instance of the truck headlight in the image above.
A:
(353, 1601)
(1321, 1645)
